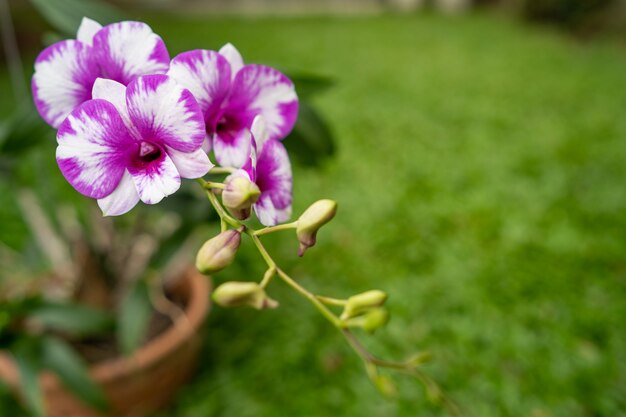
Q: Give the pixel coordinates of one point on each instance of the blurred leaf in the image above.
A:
(26, 354)
(72, 318)
(23, 130)
(311, 139)
(65, 15)
(72, 370)
(133, 318)
(307, 85)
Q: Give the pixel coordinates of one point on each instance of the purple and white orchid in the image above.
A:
(269, 168)
(231, 95)
(132, 143)
(66, 71)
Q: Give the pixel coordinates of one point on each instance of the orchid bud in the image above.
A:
(360, 303)
(235, 294)
(239, 195)
(219, 252)
(386, 386)
(418, 359)
(375, 319)
(316, 216)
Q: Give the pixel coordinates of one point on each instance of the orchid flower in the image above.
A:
(132, 143)
(66, 70)
(231, 94)
(269, 168)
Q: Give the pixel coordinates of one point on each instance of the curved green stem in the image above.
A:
(271, 229)
(332, 301)
(222, 170)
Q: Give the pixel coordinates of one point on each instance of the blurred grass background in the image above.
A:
(480, 174)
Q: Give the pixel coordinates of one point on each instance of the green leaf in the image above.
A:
(26, 354)
(308, 85)
(23, 130)
(72, 370)
(72, 318)
(133, 318)
(311, 139)
(65, 15)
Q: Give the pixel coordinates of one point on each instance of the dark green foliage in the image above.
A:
(27, 332)
(133, 318)
(65, 15)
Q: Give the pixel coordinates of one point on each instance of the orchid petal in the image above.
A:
(259, 131)
(87, 29)
(207, 75)
(114, 93)
(165, 112)
(258, 89)
(155, 180)
(122, 199)
(233, 57)
(274, 179)
(64, 74)
(232, 148)
(94, 147)
(129, 49)
(190, 164)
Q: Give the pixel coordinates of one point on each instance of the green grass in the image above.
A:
(481, 176)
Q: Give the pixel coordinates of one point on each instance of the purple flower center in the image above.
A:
(148, 152)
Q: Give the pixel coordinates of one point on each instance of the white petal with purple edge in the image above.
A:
(129, 49)
(274, 179)
(156, 180)
(259, 131)
(64, 74)
(165, 112)
(233, 56)
(268, 214)
(190, 164)
(207, 75)
(122, 199)
(258, 89)
(87, 29)
(232, 149)
(94, 148)
(114, 93)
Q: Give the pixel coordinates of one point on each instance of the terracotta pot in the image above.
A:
(146, 381)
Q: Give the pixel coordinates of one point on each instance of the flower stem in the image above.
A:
(211, 185)
(332, 301)
(222, 170)
(221, 211)
(271, 229)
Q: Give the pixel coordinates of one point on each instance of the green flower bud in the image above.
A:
(236, 294)
(419, 359)
(386, 386)
(219, 252)
(316, 216)
(239, 195)
(375, 319)
(360, 303)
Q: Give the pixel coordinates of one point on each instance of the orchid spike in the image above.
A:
(66, 71)
(231, 95)
(132, 143)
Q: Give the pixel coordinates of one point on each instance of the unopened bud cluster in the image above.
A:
(365, 310)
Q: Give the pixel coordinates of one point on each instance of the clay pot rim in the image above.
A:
(163, 345)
